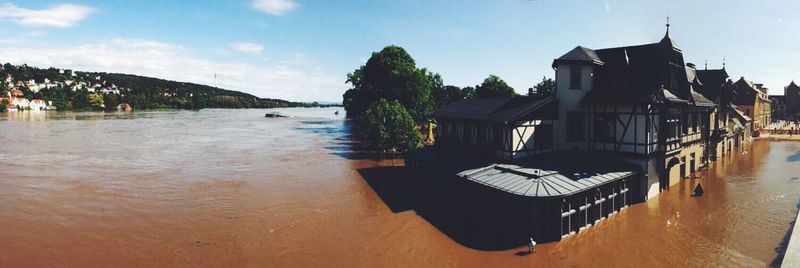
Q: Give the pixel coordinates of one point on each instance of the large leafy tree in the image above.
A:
(387, 127)
(493, 86)
(390, 74)
(546, 87)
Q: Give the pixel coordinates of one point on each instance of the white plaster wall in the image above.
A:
(569, 100)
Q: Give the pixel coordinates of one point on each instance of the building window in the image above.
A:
(673, 129)
(543, 137)
(575, 77)
(575, 126)
(686, 123)
(604, 127)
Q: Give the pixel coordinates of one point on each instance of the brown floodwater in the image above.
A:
(230, 188)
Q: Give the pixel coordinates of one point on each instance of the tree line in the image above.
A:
(390, 97)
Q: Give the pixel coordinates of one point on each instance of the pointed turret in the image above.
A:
(667, 40)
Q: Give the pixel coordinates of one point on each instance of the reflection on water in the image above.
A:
(232, 188)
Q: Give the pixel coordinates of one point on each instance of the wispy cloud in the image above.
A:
(245, 47)
(61, 16)
(147, 57)
(606, 5)
(274, 7)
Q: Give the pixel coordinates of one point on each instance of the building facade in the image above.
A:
(637, 104)
(753, 100)
(640, 109)
(791, 96)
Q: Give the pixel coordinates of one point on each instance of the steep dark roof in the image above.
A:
(650, 73)
(579, 55)
(668, 40)
(713, 81)
(498, 110)
(745, 91)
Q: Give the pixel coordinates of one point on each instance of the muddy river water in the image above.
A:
(230, 188)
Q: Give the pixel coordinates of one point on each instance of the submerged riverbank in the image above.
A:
(232, 188)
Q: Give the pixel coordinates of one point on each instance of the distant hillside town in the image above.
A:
(30, 88)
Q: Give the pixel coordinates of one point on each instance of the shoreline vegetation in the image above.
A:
(64, 89)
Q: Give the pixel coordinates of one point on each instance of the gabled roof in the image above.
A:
(746, 92)
(579, 55)
(497, 110)
(792, 85)
(713, 81)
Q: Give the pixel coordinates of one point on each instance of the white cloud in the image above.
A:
(606, 6)
(274, 7)
(61, 16)
(175, 62)
(250, 48)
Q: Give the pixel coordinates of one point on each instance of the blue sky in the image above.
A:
(302, 50)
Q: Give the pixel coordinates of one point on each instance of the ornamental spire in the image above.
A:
(667, 24)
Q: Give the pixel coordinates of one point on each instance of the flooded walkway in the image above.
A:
(230, 188)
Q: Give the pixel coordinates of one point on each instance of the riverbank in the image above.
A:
(778, 137)
(792, 257)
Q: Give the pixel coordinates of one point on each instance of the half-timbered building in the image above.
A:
(538, 160)
(504, 128)
(636, 103)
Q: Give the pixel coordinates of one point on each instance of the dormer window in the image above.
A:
(575, 77)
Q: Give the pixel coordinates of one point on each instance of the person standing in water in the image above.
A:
(531, 246)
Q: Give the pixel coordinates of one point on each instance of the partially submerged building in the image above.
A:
(731, 128)
(624, 124)
(753, 100)
(496, 157)
(505, 128)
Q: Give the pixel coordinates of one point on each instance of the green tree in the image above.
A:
(96, 101)
(493, 86)
(3, 105)
(81, 100)
(546, 87)
(388, 127)
(446, 95)
(390, 74)
(468, 92)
